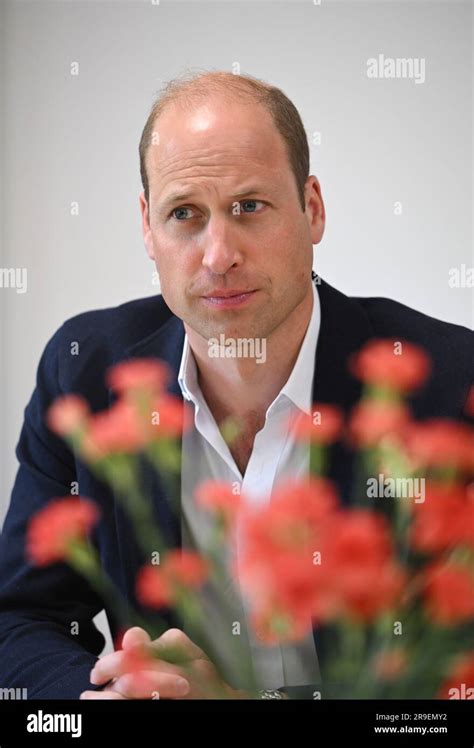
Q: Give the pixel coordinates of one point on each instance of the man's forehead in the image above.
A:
(236, 172)
(176, 150)
(214, 134)
(206, 148)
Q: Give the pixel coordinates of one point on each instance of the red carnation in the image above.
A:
(441, 443)
(219, 498)
(449, 593)
(159, 586)
(372, 420)
(119, 429)
(398, 365)
(303, 558)
(277, 569)
(357, 554)
(62, 522)
(147, 374)
(445, 519)
(323, 426)
(68, 414)
(293, 518)
(173, 416)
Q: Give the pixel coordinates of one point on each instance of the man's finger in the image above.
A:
(177, 639)
(113, 666)
(106, 668)
(150, 684)
(134, 636)
(102, 695)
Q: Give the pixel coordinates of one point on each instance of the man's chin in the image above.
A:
(229, 332)
(227, 325)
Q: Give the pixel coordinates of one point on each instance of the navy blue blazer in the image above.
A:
(39, 648)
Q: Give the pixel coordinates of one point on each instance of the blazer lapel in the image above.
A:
(344, 329)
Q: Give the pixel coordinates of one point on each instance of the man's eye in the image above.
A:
(179, 210)
(248, 206)
(252, 204)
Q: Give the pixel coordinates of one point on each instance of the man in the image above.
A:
(230, 216)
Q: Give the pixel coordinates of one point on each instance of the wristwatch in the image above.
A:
(270, 693)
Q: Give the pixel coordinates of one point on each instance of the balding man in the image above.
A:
(230, 215)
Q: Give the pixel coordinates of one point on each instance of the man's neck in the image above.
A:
(242, 388)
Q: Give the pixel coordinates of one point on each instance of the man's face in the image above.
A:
(240, 226)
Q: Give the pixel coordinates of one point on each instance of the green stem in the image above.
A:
(125, 483)
(85, 560)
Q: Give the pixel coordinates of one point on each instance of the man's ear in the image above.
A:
(315, 210)
(146, 231)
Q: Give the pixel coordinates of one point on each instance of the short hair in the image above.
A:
(191, 88)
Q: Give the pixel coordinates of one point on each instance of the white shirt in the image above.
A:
(275, 456)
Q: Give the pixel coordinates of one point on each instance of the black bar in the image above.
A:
(151, 722)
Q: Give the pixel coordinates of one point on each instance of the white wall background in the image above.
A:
(68, 138)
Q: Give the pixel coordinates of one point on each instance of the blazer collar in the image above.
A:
(345, 327)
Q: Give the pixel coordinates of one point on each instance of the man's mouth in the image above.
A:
(228, 298)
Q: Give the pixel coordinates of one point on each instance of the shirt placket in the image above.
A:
(257, 487)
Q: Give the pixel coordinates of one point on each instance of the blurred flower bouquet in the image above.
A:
(390, 572)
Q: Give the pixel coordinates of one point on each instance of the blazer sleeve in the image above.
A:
(48, 641)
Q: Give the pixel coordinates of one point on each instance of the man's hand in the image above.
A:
(196, 678)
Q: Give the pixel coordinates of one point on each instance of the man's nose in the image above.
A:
(221, 250)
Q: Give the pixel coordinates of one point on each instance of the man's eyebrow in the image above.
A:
(181, 196)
